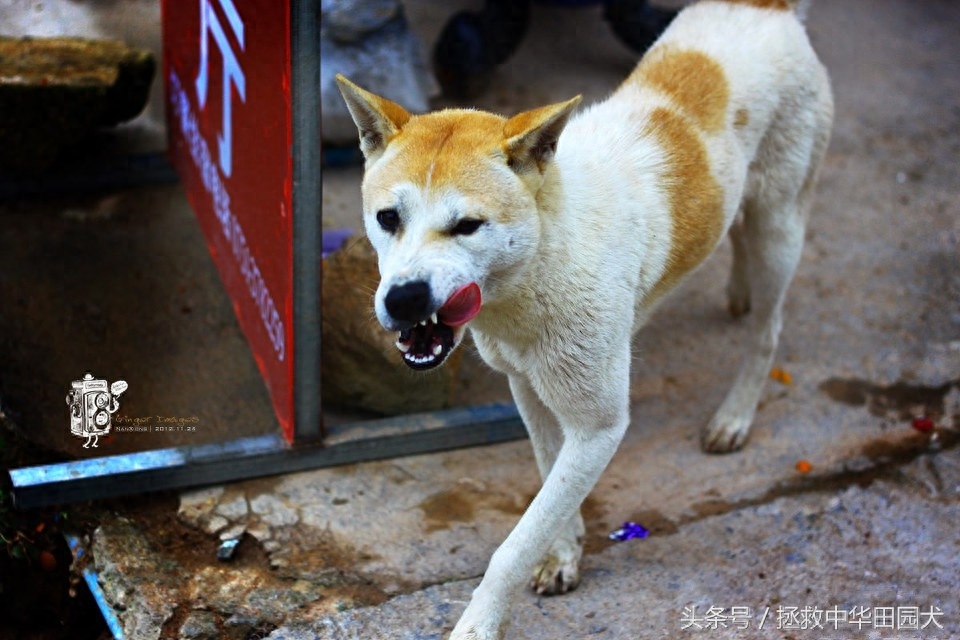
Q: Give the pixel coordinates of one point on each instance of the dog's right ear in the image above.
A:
(531, 136)
(377, 119)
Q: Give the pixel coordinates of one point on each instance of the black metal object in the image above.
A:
(637, 22)
(307, 217)
(472, 44)
(183, 467)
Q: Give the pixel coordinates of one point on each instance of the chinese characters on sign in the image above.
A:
(785, 618)
(232, 73)
(227, 67)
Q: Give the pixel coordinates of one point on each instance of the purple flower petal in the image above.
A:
(628, 531)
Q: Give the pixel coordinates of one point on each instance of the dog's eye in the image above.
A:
(466, 227)
(389, 220)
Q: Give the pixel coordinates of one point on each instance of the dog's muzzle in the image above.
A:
(430, 335)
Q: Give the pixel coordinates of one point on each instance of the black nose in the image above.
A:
(409, 302)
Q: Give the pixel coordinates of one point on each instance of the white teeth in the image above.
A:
(423, 323)
(437, 349)
(433, 319)
(419, 359)
(403, 346)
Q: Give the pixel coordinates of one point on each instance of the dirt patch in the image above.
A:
(247, 596)
(156, 517)
(461, 502)
(328, 563)
(332, 564)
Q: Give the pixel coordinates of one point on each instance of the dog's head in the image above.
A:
(450, 203)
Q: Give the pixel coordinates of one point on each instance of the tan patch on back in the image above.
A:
(695, 197)
(694, 80)
(779, 5)
(741, 118)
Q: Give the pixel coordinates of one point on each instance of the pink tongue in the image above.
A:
(461, 307)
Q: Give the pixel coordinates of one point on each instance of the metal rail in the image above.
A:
(192, 466)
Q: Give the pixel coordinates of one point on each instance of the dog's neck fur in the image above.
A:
(538, 292)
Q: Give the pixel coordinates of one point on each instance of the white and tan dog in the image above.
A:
(553, 237)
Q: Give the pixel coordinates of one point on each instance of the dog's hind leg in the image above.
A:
(774, 241)
(780, 189)
(559, 570)
(769, 239)
(738, 288)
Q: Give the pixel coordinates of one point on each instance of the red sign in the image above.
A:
(227, 74)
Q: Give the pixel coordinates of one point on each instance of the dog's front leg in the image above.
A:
(558, 571)
(591, 434)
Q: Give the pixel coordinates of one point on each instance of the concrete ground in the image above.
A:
(871, 342)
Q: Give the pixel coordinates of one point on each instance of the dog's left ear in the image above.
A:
(531, 137)
(377, 119)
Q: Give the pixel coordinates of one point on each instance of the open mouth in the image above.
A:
(427, 344)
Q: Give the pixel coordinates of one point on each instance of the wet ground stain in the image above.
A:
(900, 400)
(883, 456)
(460, 503)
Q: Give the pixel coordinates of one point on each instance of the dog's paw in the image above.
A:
(472, 634)
(486, 616)
(725, 435)
(484, 629)
(559, 571)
